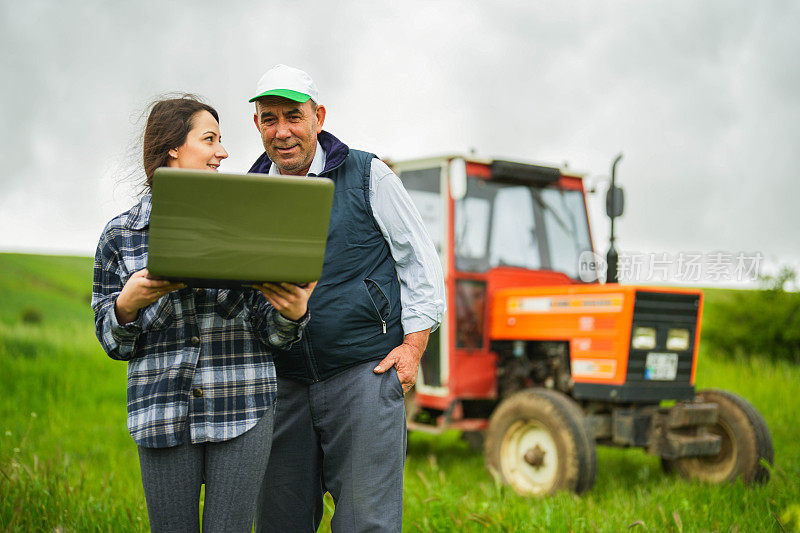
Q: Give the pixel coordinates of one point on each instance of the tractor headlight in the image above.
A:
(644, 338)
(678, 339)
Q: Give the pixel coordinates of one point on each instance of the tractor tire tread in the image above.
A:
(762, 433)
(739, 411)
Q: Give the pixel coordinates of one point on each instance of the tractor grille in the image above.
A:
(663, 311)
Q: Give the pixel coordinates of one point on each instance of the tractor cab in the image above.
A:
(495, 224)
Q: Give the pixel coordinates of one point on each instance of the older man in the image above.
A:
(340, 424)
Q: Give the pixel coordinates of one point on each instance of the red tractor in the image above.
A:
(540, 366)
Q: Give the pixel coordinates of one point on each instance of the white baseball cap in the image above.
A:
(286, 82)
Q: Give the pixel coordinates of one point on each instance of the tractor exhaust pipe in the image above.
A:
(615, 203)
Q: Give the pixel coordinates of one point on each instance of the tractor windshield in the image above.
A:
(504, 224)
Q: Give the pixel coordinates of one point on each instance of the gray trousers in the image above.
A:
(232, 471)
(345, 435)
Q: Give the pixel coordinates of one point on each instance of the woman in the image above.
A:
(201, 382)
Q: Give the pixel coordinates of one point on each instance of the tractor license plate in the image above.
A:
(661, 366)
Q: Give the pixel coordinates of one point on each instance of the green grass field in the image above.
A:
(67, 462)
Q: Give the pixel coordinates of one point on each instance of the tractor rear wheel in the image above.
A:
(745, 442)
(538, 443)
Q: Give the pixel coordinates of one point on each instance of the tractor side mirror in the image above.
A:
(458, 178)
(615, 202)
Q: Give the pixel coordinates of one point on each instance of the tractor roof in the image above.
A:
(443, 158)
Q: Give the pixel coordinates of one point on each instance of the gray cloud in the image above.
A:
(703, 99)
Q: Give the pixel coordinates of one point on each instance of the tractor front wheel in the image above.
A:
(745, 442)
(538, 443)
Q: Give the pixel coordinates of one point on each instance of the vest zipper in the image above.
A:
(377, 312)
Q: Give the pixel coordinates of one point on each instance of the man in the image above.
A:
(340, 425)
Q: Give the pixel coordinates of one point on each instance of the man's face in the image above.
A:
(289, 131)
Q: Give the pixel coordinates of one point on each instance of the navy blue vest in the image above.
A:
(355, 308)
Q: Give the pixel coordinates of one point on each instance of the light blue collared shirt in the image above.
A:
(416, 260)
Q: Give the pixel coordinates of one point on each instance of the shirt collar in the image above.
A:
(316, 168)
(139, 215)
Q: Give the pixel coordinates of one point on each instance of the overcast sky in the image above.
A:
(703, 98)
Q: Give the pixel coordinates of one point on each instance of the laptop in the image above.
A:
(218, 230)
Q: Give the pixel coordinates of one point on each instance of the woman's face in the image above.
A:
(203, 148)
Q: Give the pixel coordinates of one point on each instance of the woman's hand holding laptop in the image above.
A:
(139, 292)
(290, 299)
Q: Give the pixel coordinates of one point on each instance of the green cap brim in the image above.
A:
(283, 93)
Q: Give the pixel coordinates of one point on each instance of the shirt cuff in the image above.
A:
(413, 324)
(285, 332)
(126, 331)
(281, 320)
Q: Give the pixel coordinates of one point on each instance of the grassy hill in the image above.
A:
(67, 462)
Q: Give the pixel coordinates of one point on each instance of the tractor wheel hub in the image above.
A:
(535, 456)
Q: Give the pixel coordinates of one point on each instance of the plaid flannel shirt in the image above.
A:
(200, 355)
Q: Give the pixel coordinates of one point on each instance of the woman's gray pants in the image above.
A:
(232, 471)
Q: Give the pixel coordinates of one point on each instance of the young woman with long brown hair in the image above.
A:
(201, 382)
